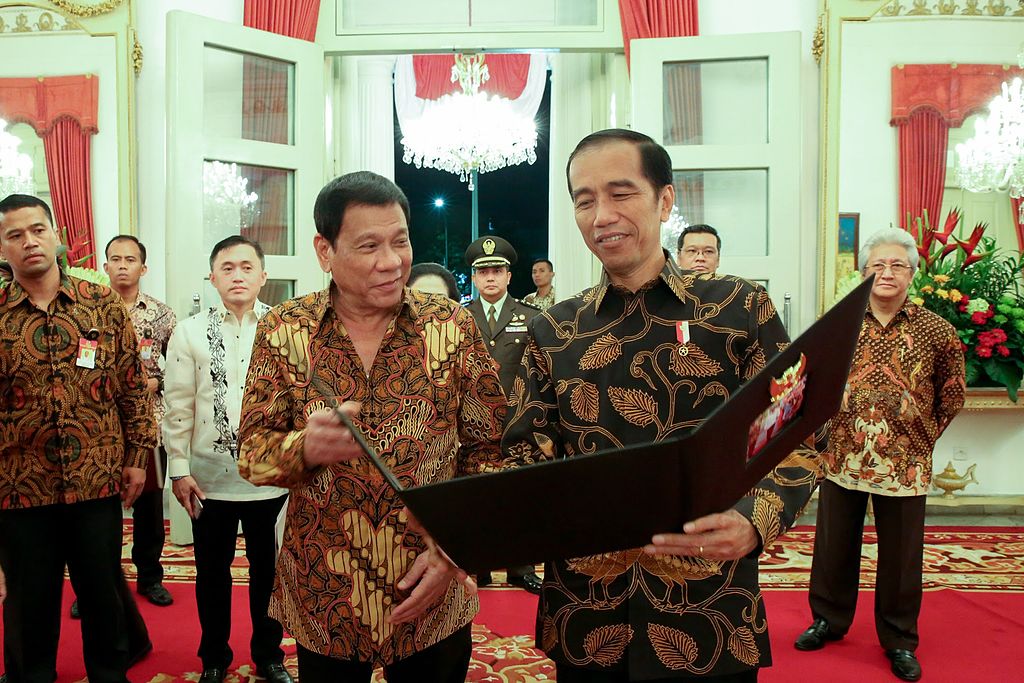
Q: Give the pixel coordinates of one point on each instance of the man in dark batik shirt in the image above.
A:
(644, 356)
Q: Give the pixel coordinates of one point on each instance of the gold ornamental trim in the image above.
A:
(818, 42)
(979, 399)
(948, 8)
(137, 55)
(80, 10)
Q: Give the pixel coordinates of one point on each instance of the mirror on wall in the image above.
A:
(879, 56)
(66, 78)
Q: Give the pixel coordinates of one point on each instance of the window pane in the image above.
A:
(254, 201)
(716, 103)
(247, 96)
(735, 203)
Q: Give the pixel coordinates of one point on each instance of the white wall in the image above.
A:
(868, 162)
(71, 55)
(151, 127)
(992, 439)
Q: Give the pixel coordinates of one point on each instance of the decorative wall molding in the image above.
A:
(818, 42)
(19, 21)
(966, 8)
(93, 9)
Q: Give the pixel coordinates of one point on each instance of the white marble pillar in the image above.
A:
(374, 135)
(589, 92)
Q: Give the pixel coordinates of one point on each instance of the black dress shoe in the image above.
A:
(815, 637)
(904, 664)
(157, 594)
(274, 673)
(213, 675)
(136, 657)
(75, 614)
(529, 581)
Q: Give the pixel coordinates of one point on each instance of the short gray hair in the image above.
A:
(896, 236)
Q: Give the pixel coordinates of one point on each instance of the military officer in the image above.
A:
(502, 321)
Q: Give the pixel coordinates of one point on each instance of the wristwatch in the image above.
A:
(180, 476)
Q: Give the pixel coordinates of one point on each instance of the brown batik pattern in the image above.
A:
(906, 385)
(606, 370)
(432, 406)
(66, 432)
(155, 320)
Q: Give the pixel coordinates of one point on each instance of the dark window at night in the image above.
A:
(513, 203)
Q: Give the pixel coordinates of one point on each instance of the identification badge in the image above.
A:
(146, 348)
(87, 353)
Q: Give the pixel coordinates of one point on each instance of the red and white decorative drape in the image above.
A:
(421, 80)
(63, 112)
(928, 100)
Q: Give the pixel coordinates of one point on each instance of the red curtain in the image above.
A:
(1015, 203)
(63, 111)
(955, 91)
(923, 140)
(657, 19)
(67, 164)
(292, 18)
(508, 74)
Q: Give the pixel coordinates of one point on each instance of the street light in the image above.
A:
(439, 205)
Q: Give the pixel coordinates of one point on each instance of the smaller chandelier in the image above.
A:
(15, 166)
(993, 160)
(469, 131)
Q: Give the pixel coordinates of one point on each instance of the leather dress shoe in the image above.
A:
(213, 675)
(815, 637)
(528, 581)
(274, 673)
(75, 614)
(157, 594)
(904, 664)
(136, 657)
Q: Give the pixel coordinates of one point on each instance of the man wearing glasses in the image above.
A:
(906, 385)
(698, 249)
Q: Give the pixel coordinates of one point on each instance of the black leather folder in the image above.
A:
(618, 499)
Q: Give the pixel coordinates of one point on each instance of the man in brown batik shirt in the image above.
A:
(78, 429)
(357, 585)
(642, 357)
(906, 385)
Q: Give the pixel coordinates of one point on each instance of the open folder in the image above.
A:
(618, 499)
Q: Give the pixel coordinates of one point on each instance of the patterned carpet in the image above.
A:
(974, 561)
(962, 558)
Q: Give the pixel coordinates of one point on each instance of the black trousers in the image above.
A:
(214, 535)
(148, 534)
(572, 674)
(443, 662)
(35, 545)
(835, 569)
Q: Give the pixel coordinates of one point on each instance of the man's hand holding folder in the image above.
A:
(721, 536)
(331, 438)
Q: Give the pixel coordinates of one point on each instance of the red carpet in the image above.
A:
(972, 621)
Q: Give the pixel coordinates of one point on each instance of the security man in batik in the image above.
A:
(502, 321)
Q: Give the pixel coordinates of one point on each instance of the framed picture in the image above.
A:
(849, 240)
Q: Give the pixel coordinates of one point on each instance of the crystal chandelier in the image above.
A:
(15, 166)
(993, 159)
(469, 131)
(228, 206)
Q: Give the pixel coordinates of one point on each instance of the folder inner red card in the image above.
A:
(618, 499)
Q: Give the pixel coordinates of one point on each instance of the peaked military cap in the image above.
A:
(490, 251)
